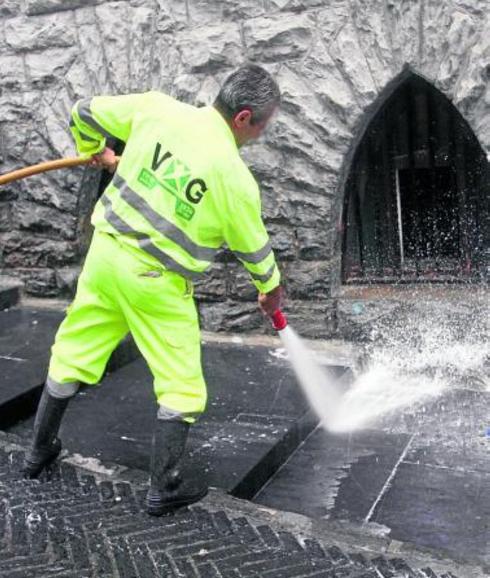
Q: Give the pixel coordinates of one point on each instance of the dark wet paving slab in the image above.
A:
(335, 475)
(439, 508)
(424, 476)
(26, 336)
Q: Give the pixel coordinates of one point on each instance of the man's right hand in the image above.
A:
(107, 159)
(272, 301)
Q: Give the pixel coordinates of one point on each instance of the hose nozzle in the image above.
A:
(279, 321)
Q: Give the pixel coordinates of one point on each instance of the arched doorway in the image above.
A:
(416, 198)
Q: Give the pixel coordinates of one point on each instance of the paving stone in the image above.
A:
(26, 336)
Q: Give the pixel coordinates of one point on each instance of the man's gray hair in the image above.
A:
(250, 87)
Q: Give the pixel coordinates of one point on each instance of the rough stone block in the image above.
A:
(13, 76)
(473, 79)
(331, 18)
(91, 45)
(404, 23)
(263, 159)
(312, 319)
(11, 7)
(36, 7)
(275, 206)
(208, 92)
(301, 174)
(330, 86)
(6, 221)
(299, 5)
(305, 107)
(186, 87)
(16, 106)
(435, 34)
(24, 34)
(66, 280)
(45, 220)
(460, 37)
(39, 282)
(241, 286)
(213, 287)
(279, 37)
(288, 132)
(210, 48)
(15, 140)
(50, 190)
(141, 29)
(113, 21)
(207, 11)
(372, 29)
(308, 209)
(314, 244)
(171, 16)
(307, 279)
(283, 241)
(236, 317)
(10, 289)
(50, 66)
(348, 54)
(21, 250)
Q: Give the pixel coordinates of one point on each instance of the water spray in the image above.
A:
(319, 386)
(379, 388)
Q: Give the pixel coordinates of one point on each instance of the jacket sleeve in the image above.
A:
(246, 236)
(96, 119)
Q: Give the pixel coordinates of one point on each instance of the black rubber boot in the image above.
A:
(45, 447)
(168, 491)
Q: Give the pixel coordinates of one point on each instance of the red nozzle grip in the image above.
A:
(279, 320)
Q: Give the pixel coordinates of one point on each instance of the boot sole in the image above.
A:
(32, 470)
(170, 506)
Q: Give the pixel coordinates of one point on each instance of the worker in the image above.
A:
(180, 191)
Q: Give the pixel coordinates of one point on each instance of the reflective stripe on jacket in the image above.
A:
(181, 189)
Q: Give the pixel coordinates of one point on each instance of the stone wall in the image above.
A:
(335, 60)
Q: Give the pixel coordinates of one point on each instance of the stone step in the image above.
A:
(10, 291)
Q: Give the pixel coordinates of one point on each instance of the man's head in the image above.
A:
(247, 100)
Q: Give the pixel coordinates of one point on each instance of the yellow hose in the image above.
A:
(43, 167)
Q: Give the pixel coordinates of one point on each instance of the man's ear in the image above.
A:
(242, 118)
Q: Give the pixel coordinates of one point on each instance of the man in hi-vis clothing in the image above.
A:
(179, 192)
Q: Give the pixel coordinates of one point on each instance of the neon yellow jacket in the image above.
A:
(181, 189)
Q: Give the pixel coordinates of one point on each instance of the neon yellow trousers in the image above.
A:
(118, 293)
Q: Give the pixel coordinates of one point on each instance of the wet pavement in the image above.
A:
(254, 405)
(426, 481)
(415, 478)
